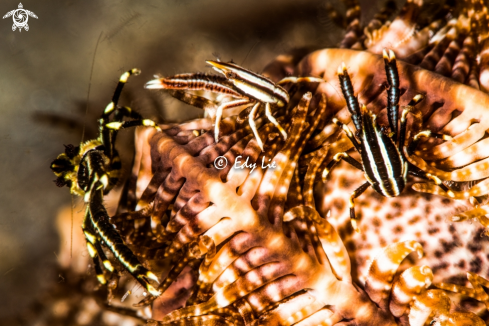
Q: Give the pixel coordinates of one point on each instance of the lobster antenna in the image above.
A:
(71, 241)
(90, 84)
(247, 54)
(83, 133)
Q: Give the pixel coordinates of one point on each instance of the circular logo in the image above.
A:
(20, 17)
(220, 162)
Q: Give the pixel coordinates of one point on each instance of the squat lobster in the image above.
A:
(239, 87)
(383, 160)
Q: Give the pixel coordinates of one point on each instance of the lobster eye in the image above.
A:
(231, 75)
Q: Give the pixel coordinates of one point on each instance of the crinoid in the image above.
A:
(269, 258)
(258, 264)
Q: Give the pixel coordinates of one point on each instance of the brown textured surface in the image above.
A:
(451, 249)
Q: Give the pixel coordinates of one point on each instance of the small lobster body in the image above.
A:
(91, 170)
(251, 84)
(383, 158)
(385, 168)
(238, 87)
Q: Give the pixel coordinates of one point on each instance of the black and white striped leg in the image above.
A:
(113, 240)
(95, 250)
(108, 135)
(96, 263)
(428, 176)
(336, 159)
(112, 106)
(126, 111)
(95, 166)
(348, 94)
(417, 172)
(348, 133)
(439, 183)
(355, 194)
(105, 261)
(425, 133)
(393, 92)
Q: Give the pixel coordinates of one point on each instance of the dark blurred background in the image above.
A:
(45, 77)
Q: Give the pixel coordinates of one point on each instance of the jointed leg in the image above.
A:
(126, 111)
(418, 120)
(415, 113)
(223, 107)
(117, 93)
(420, 173)
(360, 190)
(351, 99)
(96, 183)
(349, 134)
(413, 170)
(109, 130)
(95, 250)
(344, 155)
(336, 159)
(268, 113)
(100, 220)
(393, 92)
(251, 120)
(109, 134)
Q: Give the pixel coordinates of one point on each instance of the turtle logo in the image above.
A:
(20, 16)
